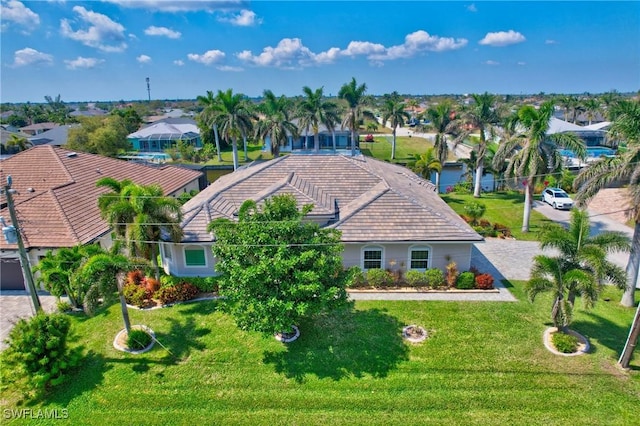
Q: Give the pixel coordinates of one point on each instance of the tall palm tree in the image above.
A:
(532, 153)
(440, 120)
(426, 163)
(568, 104)
(208, 115)
(392, 111)
(553, 274)
(591, 108)
(314, 110)
(233, 116)
(275, 121)
(484, 116)
(354, 95)
(141, 215)
(623, 167)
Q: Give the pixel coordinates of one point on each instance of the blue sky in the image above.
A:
(104, 50)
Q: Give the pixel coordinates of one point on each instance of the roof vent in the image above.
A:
(72, 154)
(31, 189)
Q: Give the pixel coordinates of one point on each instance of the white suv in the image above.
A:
(557, 198)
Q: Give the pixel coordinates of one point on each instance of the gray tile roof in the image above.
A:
(367, 199)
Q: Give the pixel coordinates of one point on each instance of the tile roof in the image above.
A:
(367, 199)
(56, 199)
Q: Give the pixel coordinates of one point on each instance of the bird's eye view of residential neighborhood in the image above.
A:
(319, 212)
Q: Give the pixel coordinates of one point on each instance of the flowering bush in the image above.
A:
(368, 138)
(484, 281)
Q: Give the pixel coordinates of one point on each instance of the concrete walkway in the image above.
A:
(17, 304)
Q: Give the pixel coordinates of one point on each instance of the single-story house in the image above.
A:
(58, 136)
(305, 142)
(56, 200)
(389, 217)
(164, 134)
(593, 135)
(36, 129)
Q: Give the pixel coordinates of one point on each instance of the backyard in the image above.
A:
(484, 363)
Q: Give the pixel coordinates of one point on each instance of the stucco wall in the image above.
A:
(175, 265)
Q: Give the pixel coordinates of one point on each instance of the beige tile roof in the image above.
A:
(367, 199)
(56, 200)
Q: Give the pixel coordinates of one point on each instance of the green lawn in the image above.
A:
(484, 363)
(406, 147)
(506, 208)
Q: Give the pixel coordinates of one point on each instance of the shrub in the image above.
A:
(484, 223)
(416, 278)
(465, 281)
(138, 339)
(63, 306)
(176, 293)
(38, 348)
(463, 187)
(186, 291)
(397, 276)
(151, 285)
(565, 343)
(205, 284)
(135, 277)
(484, 281)
(434, 277)
(134, 294)
(452, 274)
(377, 277)
(502, 229)
(355, 277)
(169, 280)
(474, 210)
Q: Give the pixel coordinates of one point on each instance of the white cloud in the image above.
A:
(472, 8)
(549, 41)
(490, 62)
(246, 18)
(229, 68)
(80, 62)
(29, 56)
(502, 38)
(521, 63)
(144, 59)
(178, 62)
(179, 6)
(16, 12)
(207, 58)
(102, 33)
(163, 32)
(291, 52)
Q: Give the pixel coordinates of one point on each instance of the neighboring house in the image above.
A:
(57, 200)
(389, 217)
(90, 112)
(592, 135)
(7, 133)
(36, 129)
(305, 141)
(58, 136)
(166, 134)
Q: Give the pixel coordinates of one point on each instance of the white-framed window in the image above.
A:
(420, 258)
(195, 256)
(166, 251)
(372, 257)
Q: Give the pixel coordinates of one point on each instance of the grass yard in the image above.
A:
(406, 147)
(506, 208)
(484, 363)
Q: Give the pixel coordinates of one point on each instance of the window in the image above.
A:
(195, 257)
(166, 250)
(420, 258)
(372, 257)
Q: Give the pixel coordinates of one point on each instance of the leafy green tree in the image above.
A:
(140, 215)
(313, 110)
(276, 268)
(131, 120)
(392, 111)
(532, 153)
(354, 95)
(275, 121)
(57, 111)
(56, 271)
(106, 135)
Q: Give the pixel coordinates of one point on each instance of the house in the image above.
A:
(56, 200)
(58, 136)
(305, 141)
(7, 133)
(164, 134)
(389, 217)
(36, 129)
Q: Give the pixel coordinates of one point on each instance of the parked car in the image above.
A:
(557, 198)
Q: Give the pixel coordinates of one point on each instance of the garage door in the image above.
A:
(11, 277)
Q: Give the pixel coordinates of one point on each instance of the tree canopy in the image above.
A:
(276, 268)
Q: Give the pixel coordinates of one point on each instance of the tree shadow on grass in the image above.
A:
(344, 343)
(182, 337)
(605, 332)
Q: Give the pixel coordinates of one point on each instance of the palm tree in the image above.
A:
(232, 115)
(313, 111)
(568, 104)
(355, 98)
(553, 274)
(623, 167)
(591, 108)
(275, 122)
(17, 143)
(532, 153)
(426, 163)
(392, 111)
(484, 116)
(142, 215)
(208, 115)
(440, 120)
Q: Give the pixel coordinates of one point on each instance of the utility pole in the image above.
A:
(12, 235)
(148, 89)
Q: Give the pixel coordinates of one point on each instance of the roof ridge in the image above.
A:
(364, 200)
(63, 214)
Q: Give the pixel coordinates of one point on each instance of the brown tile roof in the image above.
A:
(56, 199)
(367, 199)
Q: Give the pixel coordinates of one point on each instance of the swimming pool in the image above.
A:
(592, 152)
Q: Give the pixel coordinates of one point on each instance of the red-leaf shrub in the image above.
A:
(151, 285)
(176, 293)
(484, 281)
(135, 277)
(187, 291)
